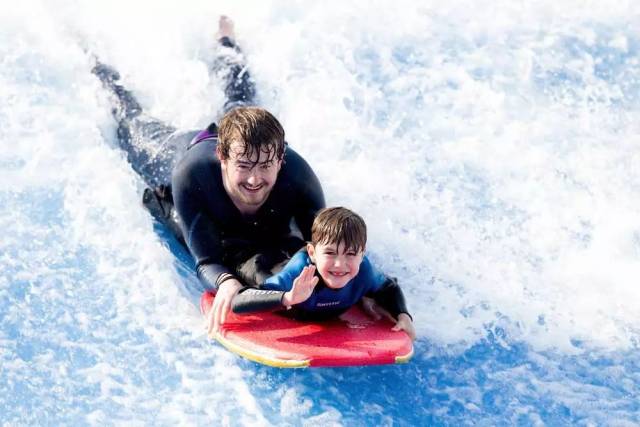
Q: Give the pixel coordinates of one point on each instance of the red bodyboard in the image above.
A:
(354, 339)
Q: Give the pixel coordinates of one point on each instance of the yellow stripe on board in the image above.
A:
(256, 357)
(405, 358)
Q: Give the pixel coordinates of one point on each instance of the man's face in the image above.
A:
(248, 183)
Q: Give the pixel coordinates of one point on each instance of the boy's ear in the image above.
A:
(311, 250)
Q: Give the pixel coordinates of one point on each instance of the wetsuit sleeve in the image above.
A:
(390, 297)
(200, 233)
(384, 290)
(251, 300)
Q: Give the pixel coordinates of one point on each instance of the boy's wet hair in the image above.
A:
(257, 128)
(339, 225)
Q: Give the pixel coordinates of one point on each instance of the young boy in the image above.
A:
(329, 276)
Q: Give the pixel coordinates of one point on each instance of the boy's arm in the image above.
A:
(251, 300)
(383, 289)
(390, 297)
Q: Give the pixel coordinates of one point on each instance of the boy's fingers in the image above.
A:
(309, 274)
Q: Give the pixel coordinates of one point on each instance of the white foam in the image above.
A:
(424, 166)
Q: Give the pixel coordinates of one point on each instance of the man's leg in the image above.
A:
(239, 91)
(151, 145)
(230, 65)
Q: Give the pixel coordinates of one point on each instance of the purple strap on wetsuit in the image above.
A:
(201, 136)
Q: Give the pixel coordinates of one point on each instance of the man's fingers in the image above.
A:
(213, 318)
(226, 305)
(216, 317)
(210, 320)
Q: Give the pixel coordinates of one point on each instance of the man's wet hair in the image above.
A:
(339, 225)
(256, 128)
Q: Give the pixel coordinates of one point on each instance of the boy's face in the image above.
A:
(335, 264)
(248, 184)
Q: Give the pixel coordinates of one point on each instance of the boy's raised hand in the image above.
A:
(302, 287)
(404, 323)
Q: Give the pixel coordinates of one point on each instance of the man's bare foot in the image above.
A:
(225, 28)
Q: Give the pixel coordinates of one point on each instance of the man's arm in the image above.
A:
(200, 233)
(202, 237)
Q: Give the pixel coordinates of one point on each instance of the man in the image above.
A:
(237, 188)
(236, 196)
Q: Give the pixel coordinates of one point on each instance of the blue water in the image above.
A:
(490, 146)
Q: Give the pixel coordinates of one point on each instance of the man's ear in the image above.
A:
(219, 153)
(311, 250)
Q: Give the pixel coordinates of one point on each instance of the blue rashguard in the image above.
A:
(324, 302)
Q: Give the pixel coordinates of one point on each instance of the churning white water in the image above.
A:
(492, 147)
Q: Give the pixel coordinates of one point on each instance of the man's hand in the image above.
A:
(222, 305)
(405, 323)
(302, 287)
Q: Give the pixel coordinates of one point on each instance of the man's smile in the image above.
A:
(252, 189)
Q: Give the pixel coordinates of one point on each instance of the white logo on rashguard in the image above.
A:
(327, 304)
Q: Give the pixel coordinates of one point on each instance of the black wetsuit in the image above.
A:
(223, 242)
